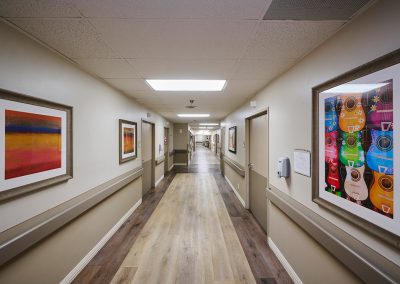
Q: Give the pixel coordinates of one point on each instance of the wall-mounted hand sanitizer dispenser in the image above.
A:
(284, 167)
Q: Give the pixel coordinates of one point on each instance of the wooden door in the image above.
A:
(147, 157)
(258, 168)
(166, 149)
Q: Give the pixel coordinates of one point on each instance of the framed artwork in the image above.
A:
(35, 144)
(232, 139)
(127, 140)
(356, 160)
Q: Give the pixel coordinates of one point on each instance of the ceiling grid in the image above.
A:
(124, 42)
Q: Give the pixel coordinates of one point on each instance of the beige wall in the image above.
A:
(53, 258)
(27, 67)
(288, 97)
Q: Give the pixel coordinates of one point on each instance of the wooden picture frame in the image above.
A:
(232, 139)
(127, 134)
(353, 144)
(36, 139)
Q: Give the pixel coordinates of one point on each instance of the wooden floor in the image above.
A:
(139, 250)
(189, 238)
(204, 156)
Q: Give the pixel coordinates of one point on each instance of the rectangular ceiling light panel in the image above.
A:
(211, 124)
(187, 85)
(193, 115)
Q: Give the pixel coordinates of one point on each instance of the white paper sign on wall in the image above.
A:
(302, 162)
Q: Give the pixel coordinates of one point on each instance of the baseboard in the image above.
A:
(170, 168)
(82, 264)
(296, 279)
(236, 193)
(159, 180)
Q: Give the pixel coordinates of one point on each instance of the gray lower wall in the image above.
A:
(237, 180)
(180, 158)
(159, 171)
(170, 161)
(55, 256)
(311, 262)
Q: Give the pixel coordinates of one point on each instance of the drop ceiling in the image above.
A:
(124, 42)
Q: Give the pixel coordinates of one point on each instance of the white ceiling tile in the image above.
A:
(108, 68)
(37, 9)
(184, 69)
(74, 38)
(173, 9)
(129, 85)
(177, 39)
(243, 88)
(261, 69)
(289, 39)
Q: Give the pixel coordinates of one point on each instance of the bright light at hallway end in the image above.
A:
(209, 124)
(193, 115)
(187, 85)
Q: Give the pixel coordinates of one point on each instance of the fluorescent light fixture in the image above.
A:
(193, 115)
(187, 85)
(354, 88)
(208, 124)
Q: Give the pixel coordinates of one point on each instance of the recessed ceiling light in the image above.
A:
(354, 88)
(208, 124)
(193, 115)
(187, 85)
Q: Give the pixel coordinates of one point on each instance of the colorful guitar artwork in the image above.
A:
(331, 147)
(380, 114)
(352, 115)
(380, 153)
(381, 194)
(355, 185)
(331, 118)
(333, 175)
(351, 152)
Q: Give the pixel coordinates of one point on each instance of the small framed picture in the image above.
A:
(127, 140)
(232, 139)
(356, 157)
(35, 144)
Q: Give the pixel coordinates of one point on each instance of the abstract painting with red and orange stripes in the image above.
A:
(32, 143)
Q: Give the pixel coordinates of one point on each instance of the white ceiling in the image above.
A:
(127, 41)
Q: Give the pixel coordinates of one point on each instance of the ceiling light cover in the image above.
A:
(187, 85)
(208, 124)
(193, 115)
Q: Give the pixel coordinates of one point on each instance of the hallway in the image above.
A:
(204, 156)
(198, 141)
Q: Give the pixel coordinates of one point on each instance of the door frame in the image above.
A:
(222, 152)
(247, 151)
(153, 151)
(166, 150)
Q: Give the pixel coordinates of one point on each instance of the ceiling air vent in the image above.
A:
(313, 10)
(191, 104)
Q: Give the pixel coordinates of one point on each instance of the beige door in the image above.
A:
(166, 149)
(258, 168)
(147, 156)
(221, 156)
